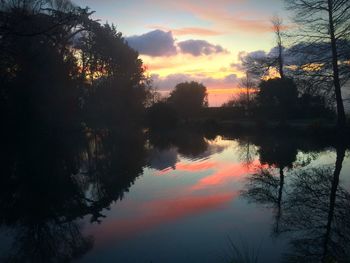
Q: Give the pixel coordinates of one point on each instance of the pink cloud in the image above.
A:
(219, 15)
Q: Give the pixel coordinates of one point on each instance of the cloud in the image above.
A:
(155, 43)
(222, 17)
(169, 82)
(237, 66)
(159, 43)
(200, 47)
(257, 54)
(298, 54)
(226, 15)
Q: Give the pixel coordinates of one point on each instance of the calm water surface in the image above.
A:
(179, 198)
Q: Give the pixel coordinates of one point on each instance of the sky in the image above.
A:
(199, 40)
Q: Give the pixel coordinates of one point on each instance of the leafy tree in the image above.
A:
(162, 116)
(115, 74)
(278, 97)
(38, 68)
(188, 98)
(56, 61)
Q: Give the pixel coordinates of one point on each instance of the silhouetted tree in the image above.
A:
(162, 116)
(38, 67)
(246, 99)
(323, 36)
(188, 98)
(261, 65)
(116, 75)
(277, 23)
(56, 62)
(278, 97)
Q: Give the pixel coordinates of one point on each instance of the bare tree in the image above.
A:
(277, 24)
(258, 64)
(323, 34)
(248, 84)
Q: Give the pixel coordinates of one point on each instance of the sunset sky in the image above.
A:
(199, 40)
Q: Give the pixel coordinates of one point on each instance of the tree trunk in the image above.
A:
(332, 198)
(341, 121)
(280, 60)
(279, 201)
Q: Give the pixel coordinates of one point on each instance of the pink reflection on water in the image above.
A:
(158, 212)
(206, 195)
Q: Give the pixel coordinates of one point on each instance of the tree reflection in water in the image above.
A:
(266, 186)
(317, 212)
(315, 209)
(48, 181)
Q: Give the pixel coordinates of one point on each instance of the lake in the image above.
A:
(182, 196)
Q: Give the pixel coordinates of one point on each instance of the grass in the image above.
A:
(243, 254)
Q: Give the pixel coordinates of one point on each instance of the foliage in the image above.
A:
(162, 116)
(58, 68)
(278, 97)
(116, 77)
(188, 98)
(38, 69)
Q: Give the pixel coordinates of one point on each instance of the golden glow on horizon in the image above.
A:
(215, 66)
(233, 91)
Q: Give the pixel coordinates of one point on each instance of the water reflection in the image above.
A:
(112, 163)
(62, 198)
(188, 143)
(48, 181)
(266, 186)
(315, 209)
(39, 199)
